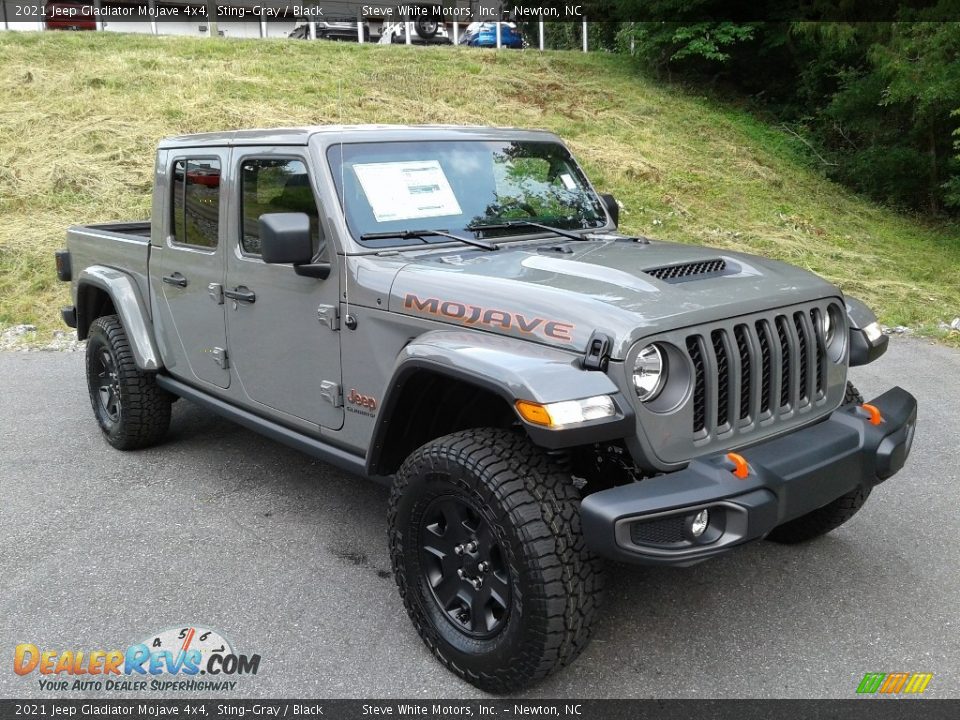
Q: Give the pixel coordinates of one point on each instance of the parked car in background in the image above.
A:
(423, 32)
(484, 34)
(345, 30)
(68, 15)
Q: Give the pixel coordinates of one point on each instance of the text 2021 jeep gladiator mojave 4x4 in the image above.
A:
(452, 311)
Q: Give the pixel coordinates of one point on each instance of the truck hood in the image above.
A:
(560, 293)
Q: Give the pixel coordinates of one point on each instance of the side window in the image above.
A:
(275, 185)
(196, 202)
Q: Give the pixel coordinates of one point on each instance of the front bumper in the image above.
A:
(648, 522)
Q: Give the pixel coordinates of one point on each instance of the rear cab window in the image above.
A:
(195, 206)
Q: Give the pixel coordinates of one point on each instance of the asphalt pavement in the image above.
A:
(286, 557)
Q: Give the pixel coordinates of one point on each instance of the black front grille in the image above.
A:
(699, 383)
(802, 348)
(686, 270)
(662, 531)
(766, 371)
(783, 334)
(747, 372)
(746, 368)
(723, 377)
(815, 318)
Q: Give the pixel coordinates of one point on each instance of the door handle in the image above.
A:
(241, 294)
(175, 279)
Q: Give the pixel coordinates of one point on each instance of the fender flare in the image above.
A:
(863, 349)
(125, 296)
(512, 369)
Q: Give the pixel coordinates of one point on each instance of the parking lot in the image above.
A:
(286, 557)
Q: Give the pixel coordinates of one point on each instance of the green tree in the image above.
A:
(952, 186)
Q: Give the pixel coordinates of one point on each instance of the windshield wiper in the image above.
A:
(525, 223)
(421, 234)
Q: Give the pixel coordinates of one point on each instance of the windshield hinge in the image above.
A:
(598, 352)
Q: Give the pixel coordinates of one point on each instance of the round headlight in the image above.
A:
(833, 325)
(649, 373)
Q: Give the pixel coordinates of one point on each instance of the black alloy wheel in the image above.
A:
(464, 567)
(108, 385)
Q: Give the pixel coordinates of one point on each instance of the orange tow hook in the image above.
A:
(741, 469)
(874, 412)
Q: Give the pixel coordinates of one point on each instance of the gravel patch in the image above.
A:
(23, 338)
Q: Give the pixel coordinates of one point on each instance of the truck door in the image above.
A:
(187, 268)
(283, 341)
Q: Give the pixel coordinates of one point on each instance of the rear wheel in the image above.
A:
(487, 553)
(131, 409)
(830, 516)
(427, 28)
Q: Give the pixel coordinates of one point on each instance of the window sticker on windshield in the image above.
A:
(568, 181)
(407, 190)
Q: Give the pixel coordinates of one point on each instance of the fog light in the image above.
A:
(700, 522)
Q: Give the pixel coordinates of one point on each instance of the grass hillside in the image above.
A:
(81, 113)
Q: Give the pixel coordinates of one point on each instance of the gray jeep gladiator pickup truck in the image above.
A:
(452, 311)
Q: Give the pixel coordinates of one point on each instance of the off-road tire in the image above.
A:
(830, 516)
(142, 414)
(852, 395)
(426, 29)
(533, 510)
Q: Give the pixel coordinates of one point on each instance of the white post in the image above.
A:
(408, 32)
(498, 35)
(263, 27)
(584, 34)
(633, 39)
(313, 30)
(99, 22)
(360, 31)
(541, 35)
(153, 16)
(456, 33)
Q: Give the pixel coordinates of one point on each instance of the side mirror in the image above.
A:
(613, 209)
(285, 238)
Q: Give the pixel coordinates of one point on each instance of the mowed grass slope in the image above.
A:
(80, 114)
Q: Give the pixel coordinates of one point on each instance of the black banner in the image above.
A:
(854, 709)
(120, 11)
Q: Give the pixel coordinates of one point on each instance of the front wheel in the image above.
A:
(131, 409)
(487, 553)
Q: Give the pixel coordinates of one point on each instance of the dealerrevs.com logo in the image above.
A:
(171, 660)
(896, 683)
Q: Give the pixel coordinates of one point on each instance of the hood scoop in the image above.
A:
(689, 270)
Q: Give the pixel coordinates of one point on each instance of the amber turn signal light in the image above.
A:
(533, 412)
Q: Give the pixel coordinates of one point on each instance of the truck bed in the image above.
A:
(124, 246)
(140, 228)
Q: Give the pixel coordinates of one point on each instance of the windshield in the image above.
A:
(453, 185)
